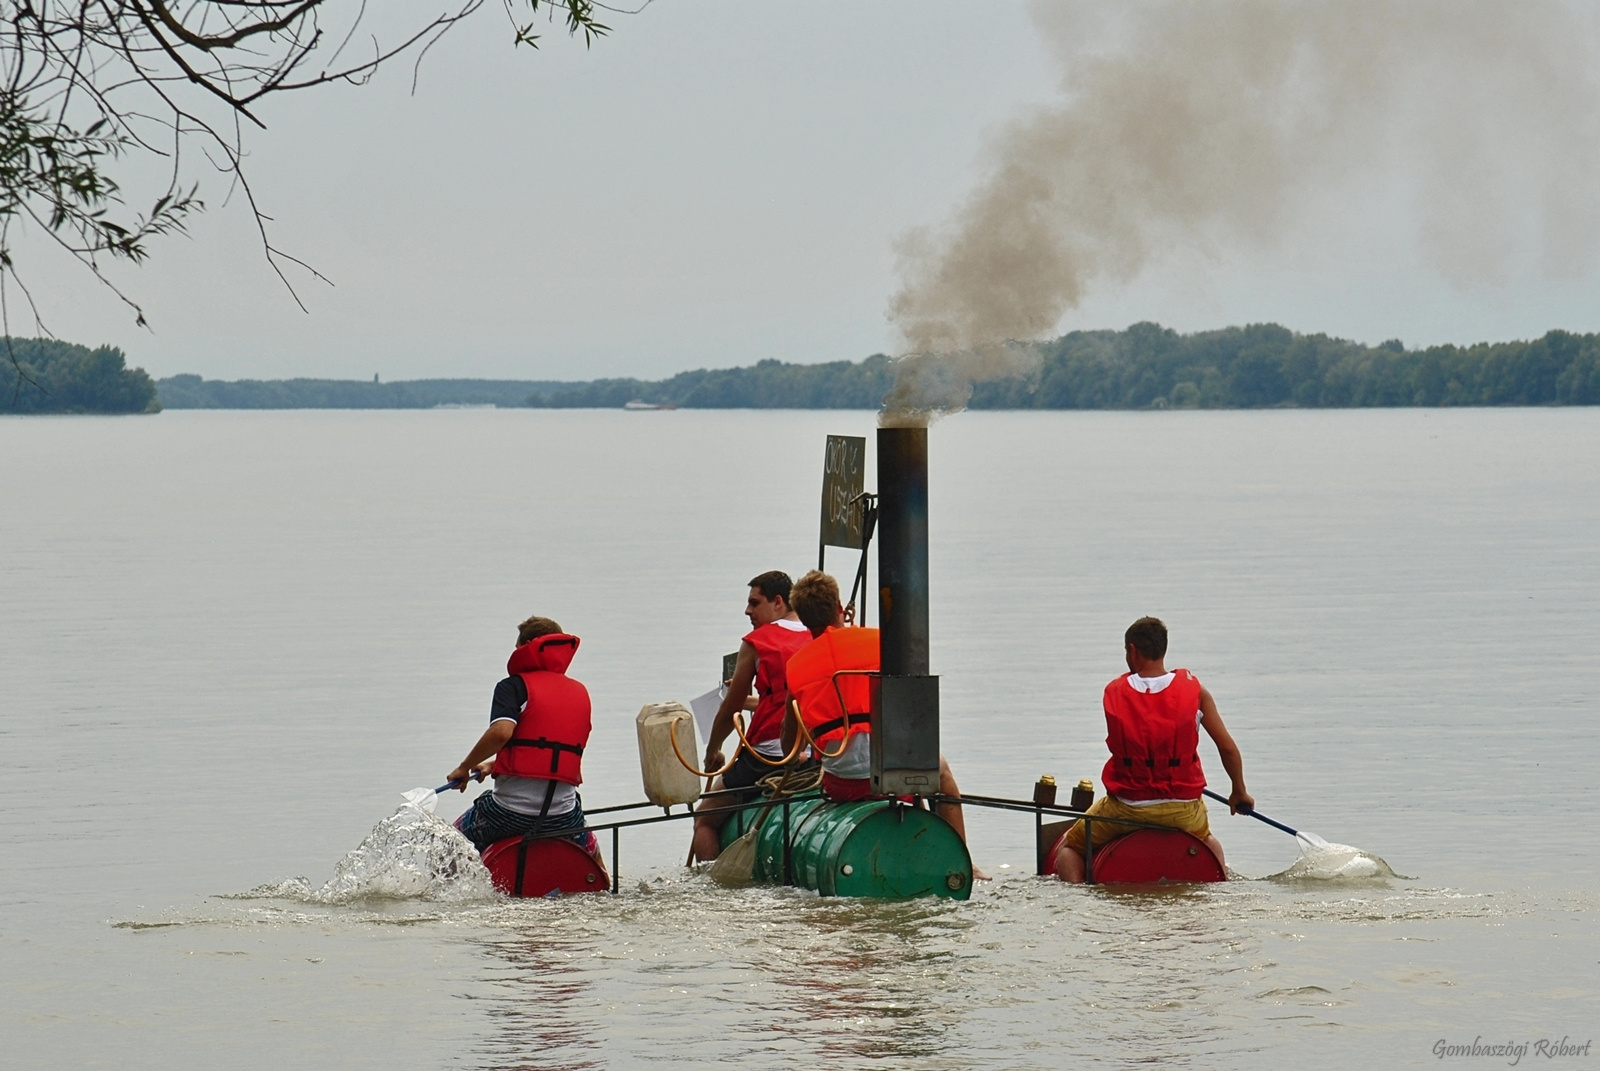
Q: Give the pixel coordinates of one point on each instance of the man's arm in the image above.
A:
(791, 725)
(1232, 761)
(493, 739)
(744, 675)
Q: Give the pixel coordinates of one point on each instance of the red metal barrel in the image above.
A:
(1147, 856)
(552, 866)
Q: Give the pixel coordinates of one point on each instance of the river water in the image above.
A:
(230, 640)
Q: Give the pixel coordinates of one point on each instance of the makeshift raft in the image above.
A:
(882, 847)
(885, 849)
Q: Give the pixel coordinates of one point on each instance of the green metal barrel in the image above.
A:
(879, 848)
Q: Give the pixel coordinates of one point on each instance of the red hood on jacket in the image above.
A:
(552, 653)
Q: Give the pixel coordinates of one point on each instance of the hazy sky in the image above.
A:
(712, 185)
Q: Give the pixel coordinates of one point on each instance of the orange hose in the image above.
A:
(817, 748)
(786, 760)
(673, 736)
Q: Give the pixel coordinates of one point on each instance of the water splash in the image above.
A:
(411, 855)
(1322, 860)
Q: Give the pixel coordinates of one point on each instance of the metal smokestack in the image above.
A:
(905, 729)
(903, 549)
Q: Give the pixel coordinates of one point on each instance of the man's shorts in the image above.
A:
(1187, 815)
(746, 771)
(486, 821)
(846, 789)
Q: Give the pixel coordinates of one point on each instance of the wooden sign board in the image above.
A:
(844, 468)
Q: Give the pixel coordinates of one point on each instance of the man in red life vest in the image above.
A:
(841, 733)
(775, 634)
(1153, 722)
(538, 727)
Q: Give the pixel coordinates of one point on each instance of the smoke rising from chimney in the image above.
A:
(1211, 125)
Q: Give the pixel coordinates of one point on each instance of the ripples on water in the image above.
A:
(771, 975)
(777, 975)
(1397, 610)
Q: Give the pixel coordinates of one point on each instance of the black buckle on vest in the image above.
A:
(1174, 762)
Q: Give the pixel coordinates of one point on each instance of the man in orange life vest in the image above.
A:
(538, 727)
(1153, 722)
(841, 734)
(775, 634)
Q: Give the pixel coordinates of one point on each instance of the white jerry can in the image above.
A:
(667, 780)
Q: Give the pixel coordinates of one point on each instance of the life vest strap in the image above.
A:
(835, 724)
(538, 825)
(555, 747)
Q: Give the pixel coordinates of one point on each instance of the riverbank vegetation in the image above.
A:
(42, 375)
(193, 392)
(1149, 366)
(1144, 367)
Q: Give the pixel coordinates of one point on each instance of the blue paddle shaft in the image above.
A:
(448, 785)
(1253, 813)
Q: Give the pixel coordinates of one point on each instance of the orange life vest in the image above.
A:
(811, 682)
(554, 725)
(774, 645)
(1154, 740)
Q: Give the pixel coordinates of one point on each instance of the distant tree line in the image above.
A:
(764, 385)
(42, 375)
(1149, 366)
(1266, 365)
(193, 392)
(1146, 366)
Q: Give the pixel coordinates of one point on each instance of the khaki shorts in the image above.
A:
(1187, 815)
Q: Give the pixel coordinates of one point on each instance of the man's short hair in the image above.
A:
(816, 599)
(773, 585)
(1148, 636)
(535, 627)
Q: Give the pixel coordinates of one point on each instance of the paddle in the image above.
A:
(426, 798)
(1310, 838)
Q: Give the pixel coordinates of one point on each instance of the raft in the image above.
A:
(878, 848)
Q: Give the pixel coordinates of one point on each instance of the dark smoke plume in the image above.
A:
(1204, 125)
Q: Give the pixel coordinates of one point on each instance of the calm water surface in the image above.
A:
(229, 640)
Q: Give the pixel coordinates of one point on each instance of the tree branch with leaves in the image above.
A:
(87, 84)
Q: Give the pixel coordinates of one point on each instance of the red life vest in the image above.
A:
(774, 646)
(554, 725)
(1154, 740)
(811, 682)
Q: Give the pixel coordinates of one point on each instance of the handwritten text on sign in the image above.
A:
(843, 479)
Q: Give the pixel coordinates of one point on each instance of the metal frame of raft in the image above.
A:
(786, 804)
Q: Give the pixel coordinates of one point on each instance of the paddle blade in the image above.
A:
(423, 799)
(1310, 841)
(737, 863)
